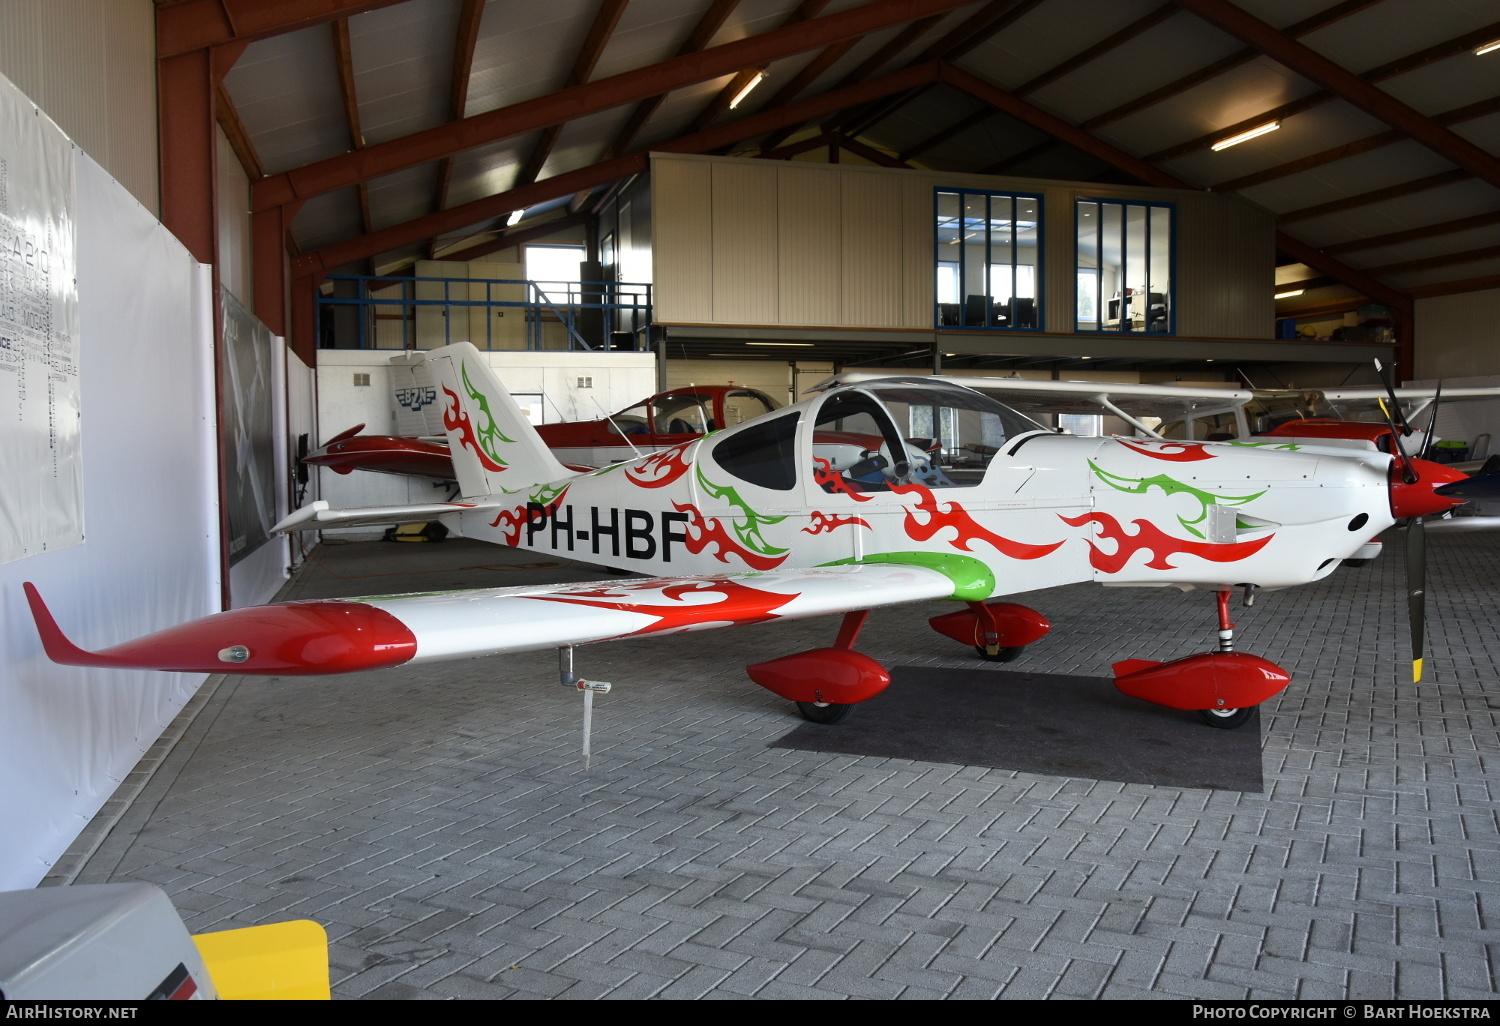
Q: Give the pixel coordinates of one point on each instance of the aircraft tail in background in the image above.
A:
(494, 446)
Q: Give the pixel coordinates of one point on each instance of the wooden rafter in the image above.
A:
(1450, 288)
(713, 19)
(602, 94)
(1191, 80)
(465, 40)
(1347, 86)
(600, 30)
(1431, 231)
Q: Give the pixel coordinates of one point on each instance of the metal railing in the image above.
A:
(433, 312)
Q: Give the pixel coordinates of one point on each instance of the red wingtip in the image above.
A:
(342, 435)
(58, 648)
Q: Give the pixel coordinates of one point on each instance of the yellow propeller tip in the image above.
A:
(1416, 671)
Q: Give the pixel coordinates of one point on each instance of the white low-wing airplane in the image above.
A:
(863, 496)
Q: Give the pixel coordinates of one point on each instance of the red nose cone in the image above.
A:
(1417, 499)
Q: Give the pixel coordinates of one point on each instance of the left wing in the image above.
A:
(319, 515)
(345, 635)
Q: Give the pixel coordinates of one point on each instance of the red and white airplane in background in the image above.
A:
(870, 494)
(666, 419)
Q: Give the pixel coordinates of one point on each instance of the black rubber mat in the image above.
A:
(1039, 723)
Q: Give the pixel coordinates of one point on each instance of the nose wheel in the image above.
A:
(1004, 655)
(1226, 719)
(823, 712)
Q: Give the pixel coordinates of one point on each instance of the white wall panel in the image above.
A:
(69, 735)
(90, 64)
(744, 243)
(809, 246)
(1458, 335)
(682, 248)
(872, 234)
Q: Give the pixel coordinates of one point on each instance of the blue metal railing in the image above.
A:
(593, 315)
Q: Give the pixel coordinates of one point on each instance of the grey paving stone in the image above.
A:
(439, 824)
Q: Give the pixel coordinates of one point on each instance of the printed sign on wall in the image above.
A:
(247, 433)
(41, 475)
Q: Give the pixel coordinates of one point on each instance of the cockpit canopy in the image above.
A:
(878, 434)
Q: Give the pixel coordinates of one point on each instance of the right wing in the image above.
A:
(345, 635)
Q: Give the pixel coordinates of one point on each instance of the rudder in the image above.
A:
(494, 446)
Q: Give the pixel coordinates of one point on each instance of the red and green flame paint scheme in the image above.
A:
(866, 495)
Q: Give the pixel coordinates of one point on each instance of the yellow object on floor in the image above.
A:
(285, 961)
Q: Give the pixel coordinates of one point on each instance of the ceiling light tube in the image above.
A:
(515, 218)
(1289, 295)
(745, 90)
(1235, 140)
(779, 343)
(1480, 51)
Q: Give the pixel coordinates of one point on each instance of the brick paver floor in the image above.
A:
(437, 820)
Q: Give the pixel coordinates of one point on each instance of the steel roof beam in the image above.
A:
(321, 261)
(1364, 199)
(1431, 231)
(599, 32)
(1076, 137)
(1399, 66)
(1099, 49)
(187, 25)
(554, 108)
(1347, 86)
(465, 40)
(713, 19)
(1449, 288)
(1195, 78)
(804, 11)
(1469, 112)
(344, 62)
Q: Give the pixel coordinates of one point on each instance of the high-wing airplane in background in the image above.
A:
(866, 495)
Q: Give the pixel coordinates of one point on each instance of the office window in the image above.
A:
(988, 260)
(1125, 259)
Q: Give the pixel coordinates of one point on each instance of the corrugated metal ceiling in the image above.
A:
(286, 91)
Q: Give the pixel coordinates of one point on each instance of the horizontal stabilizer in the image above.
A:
(319, 515)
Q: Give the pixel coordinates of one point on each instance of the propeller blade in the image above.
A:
(1437, 397)
(1480, 486)
(1390, 391)
(1416, 592)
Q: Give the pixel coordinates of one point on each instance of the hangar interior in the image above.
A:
(229, 224)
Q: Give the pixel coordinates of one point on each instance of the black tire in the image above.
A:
(1356, 562)
(830, 712)
(1226, 719)
(1005, 655)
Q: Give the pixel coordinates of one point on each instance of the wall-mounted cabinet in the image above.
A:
(758, 243)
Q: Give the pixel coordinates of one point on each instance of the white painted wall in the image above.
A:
(149, 560)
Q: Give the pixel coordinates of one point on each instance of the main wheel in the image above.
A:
(827, 712)
(1226, 719)
(1005, 655)
(1356, 562)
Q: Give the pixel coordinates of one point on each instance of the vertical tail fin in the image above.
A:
(494, 446)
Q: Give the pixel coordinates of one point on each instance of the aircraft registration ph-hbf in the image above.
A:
(868, 495)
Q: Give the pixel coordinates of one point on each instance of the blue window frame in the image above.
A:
(988, 260)
(1126, 259)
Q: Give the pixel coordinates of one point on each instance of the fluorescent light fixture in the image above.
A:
(1289, 295)
(1235, 140)
(1480, 51)
(779, 343)
(739, 97)
(515, 218)
(1085, 357)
